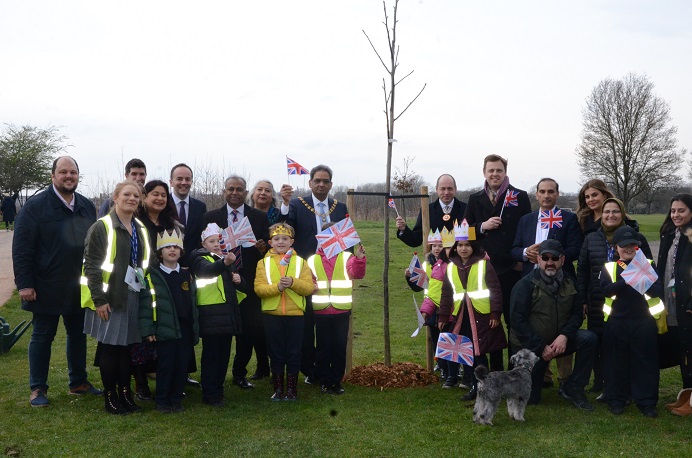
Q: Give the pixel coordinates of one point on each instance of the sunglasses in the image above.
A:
(547, 257)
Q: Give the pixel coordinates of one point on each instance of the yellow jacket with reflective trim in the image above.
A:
(290, 301)
(476, 289)
(627, 298)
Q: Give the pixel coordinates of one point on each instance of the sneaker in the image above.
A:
(578, 399)
(38, 398)
(85, 388)
(338, 389)
(243, 383)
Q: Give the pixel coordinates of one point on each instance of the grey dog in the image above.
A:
(515, 385)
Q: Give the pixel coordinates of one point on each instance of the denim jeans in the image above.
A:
(45, 328)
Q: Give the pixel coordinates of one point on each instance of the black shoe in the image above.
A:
(143, 395)
(214, 402)
(471, 395)
(125, 398)
(327, 389)
(578, 399)
(112, 404)
(338, 389)
(547, 383)
(243, 383)
(616, 409)
(192, 382)
(450, 383)
(649, 411)
(177, 408)
(161, 408)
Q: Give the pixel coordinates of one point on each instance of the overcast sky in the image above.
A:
(240, 85)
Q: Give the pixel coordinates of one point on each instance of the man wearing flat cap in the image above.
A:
(546, 317)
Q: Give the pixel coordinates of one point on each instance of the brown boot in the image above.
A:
(291, 387)
(684, 411)
(278, 382)
(683, 397)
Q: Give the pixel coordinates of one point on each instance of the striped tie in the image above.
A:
(236, 251)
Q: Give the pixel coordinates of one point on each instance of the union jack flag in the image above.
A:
(337, 238)
(455, 348)
(239, 234)
(287, 257)
(294, 168)
(551, 219)
(511, 199)
(418, 275)
(640, 274)
(391, 203)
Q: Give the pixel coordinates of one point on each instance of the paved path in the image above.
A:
(6, 272)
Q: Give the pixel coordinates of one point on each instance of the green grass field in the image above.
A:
(364, 422)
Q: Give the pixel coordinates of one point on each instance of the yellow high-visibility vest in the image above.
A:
(107, 266)
(656, 306)
(434, 289)
(339, 290)
(273, 277)
(476, 289)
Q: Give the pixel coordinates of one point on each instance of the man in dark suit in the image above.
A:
(495, 212)
(190, 210)
(235, 192)
(530, 232)
(307, 215)
(443, 212)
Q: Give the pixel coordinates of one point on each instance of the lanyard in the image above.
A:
(135, 243)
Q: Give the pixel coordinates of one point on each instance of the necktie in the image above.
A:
(493, 197)
(323, 212)
(238, 263)
(447, 209)
(183, 214)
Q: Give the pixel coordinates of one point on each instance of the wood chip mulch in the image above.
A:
(399, 375)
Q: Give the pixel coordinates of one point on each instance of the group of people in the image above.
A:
(150, 277)
(153, 274)
(495, 257)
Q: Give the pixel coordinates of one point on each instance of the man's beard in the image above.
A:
(63, 190)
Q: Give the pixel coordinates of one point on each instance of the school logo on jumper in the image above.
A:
(455, 348)
(551, 219)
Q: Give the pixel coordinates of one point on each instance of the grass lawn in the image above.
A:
(363, 422)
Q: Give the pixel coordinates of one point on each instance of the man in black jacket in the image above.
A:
(190, 210)
(443, 212)
(235, 192)
(546, 317)
(47, 253)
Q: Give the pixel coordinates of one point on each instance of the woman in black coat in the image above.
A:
(674, 266)
(597, 249)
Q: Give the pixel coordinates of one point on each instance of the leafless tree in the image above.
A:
(405, 181)
(627, 137)
(389, 90)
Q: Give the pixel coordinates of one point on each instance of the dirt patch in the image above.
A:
(400, 375)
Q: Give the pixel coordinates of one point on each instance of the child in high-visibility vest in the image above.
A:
(218, 296)
(435, 267)
(171, 321)
(630, 336)
(472, 296)
(283, 280)
(332, 303)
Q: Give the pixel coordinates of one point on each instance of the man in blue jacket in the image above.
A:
(47, 253)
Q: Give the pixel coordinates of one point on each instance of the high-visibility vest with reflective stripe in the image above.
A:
(211, 291)
(337, 291)
(153, 297)
(656, 306)
(476, 288)
(107, 266)
(434, 289)
(273, 276)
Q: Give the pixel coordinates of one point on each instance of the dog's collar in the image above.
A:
(527, 366)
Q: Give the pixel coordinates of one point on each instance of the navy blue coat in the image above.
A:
(569, 235)
(305, 223)
(48, 249)
(414, 237)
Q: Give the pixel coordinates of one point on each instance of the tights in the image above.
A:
(114, 363)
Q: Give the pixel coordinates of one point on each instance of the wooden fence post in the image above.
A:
(425, 220)
(350, 201)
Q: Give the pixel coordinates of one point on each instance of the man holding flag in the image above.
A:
(495, 212)
(443, 212)
(307, 215)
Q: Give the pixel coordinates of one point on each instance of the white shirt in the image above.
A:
(69, 204)
(240, 211)
(450, 205)
(541, 234)
(177, 200)
(168, 270)
(318, 219)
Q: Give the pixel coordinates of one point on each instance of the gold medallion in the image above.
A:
(446, 217)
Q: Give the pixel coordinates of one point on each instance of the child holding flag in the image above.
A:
(632, 290)
(282, 281)
(219, 289)
(471, 295)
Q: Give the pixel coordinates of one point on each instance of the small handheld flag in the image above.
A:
(418, 275)
(511, 200)
(419, 316)
(455, 348)
(393, 205)
(640, 274)
(294, 168)
(551, 219)
(287, 257)
(337, 238)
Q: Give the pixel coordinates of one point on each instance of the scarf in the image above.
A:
(553, 283)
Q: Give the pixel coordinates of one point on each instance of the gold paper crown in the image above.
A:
(464, 232)
(281, 229)
(166, 238)
(434, 237)
(447, 238)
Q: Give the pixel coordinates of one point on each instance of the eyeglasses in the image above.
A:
(547, 257)
(321, 181)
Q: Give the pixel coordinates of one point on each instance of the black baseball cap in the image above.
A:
(624, 236)
(551, 246)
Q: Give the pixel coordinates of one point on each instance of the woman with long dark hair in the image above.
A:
(591, 198)
(675, 266)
